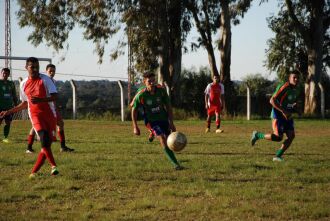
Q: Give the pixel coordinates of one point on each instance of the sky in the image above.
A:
(248, 50)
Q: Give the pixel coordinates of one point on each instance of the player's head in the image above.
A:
(32, 66)
(51, 69)
(216, 78)
(5, 72)
(294, 77)
(149, 79)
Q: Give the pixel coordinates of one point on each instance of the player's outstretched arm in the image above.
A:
(136, 129)
(15, 109)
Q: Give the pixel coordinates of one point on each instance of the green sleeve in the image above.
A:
(137, 102)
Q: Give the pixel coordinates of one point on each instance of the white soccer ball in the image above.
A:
(176, 141)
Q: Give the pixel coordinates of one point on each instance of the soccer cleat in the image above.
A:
(5, 140)
(66, 149)
(32, 175)
(278, 159)
(54, 171)
(218, 131)
(207, 130)
(29, 150)
(151, 137)
(254, 137)
(178, 167)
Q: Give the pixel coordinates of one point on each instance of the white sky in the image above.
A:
(248, 49)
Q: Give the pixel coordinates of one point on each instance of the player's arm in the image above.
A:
(134, 114)
(276, 104)
(206, 98)
(15, 109)
(36, 100)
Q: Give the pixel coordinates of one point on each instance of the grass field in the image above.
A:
(114, 175)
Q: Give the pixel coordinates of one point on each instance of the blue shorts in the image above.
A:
(281, 126)
(7, 117)
(159, 127)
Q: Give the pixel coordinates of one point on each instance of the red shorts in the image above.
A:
(46, 123)
(213, 109)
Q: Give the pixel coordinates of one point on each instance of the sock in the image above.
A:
(40, 161)
(208, 124)
(49, 155)
(169, 153)
(6, 130)
(260, 135)
(217, 122)
(280, 152)
(30, 140)
(62, 138)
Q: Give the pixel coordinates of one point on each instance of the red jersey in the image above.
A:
(214, 92)
(42, 115)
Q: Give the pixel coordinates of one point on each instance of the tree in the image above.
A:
(211, 16)
(302, 41)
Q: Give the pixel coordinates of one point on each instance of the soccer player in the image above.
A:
(151, 136)
(214, 95)
(284, 103)
(158, 113)
(8, 99)
(38, 94)
(50, 70)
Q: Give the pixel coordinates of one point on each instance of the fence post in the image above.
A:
(322, 100)
(122, 103)
(74, 100)
(248, 103)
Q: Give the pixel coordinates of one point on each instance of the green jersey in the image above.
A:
(286, 95)
(7, 94)
(153, 104)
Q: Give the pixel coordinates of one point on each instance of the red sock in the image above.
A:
(208, 123)
(30, 139)
(217, 122)
(40, 161)
(49, 156)
(61, 135)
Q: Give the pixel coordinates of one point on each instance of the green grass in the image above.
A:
(114, 175)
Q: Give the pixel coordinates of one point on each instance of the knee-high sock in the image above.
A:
(208, 123)
(40, 161)
(6, 130)
(62, 137)
(49, 156)
(30, 140)
(169, 153)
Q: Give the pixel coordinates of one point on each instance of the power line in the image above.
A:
(79, 75)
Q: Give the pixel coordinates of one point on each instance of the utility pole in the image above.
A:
(7, 35)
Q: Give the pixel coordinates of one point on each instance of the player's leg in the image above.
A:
(290, 133)
(210, 113)
(6, 128)
(30, 140)
(60, 131)
(161, 129)
(218, 121)
(277, 134)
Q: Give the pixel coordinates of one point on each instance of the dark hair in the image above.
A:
(5, 70)
(50, 66)
(296, 72)
(148, 74)
(32, 60)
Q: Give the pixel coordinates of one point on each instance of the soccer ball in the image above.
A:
(176, 141)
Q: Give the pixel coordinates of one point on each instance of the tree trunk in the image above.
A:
(225, 54)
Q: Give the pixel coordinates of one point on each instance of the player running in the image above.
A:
(8, 99)
(158, 113)
(284, 103)
(214, 100)
(50, 70)
(38, 93)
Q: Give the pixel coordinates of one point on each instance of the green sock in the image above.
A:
(280, 152)
(169, 153)
(6, 130)
(260, 135)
